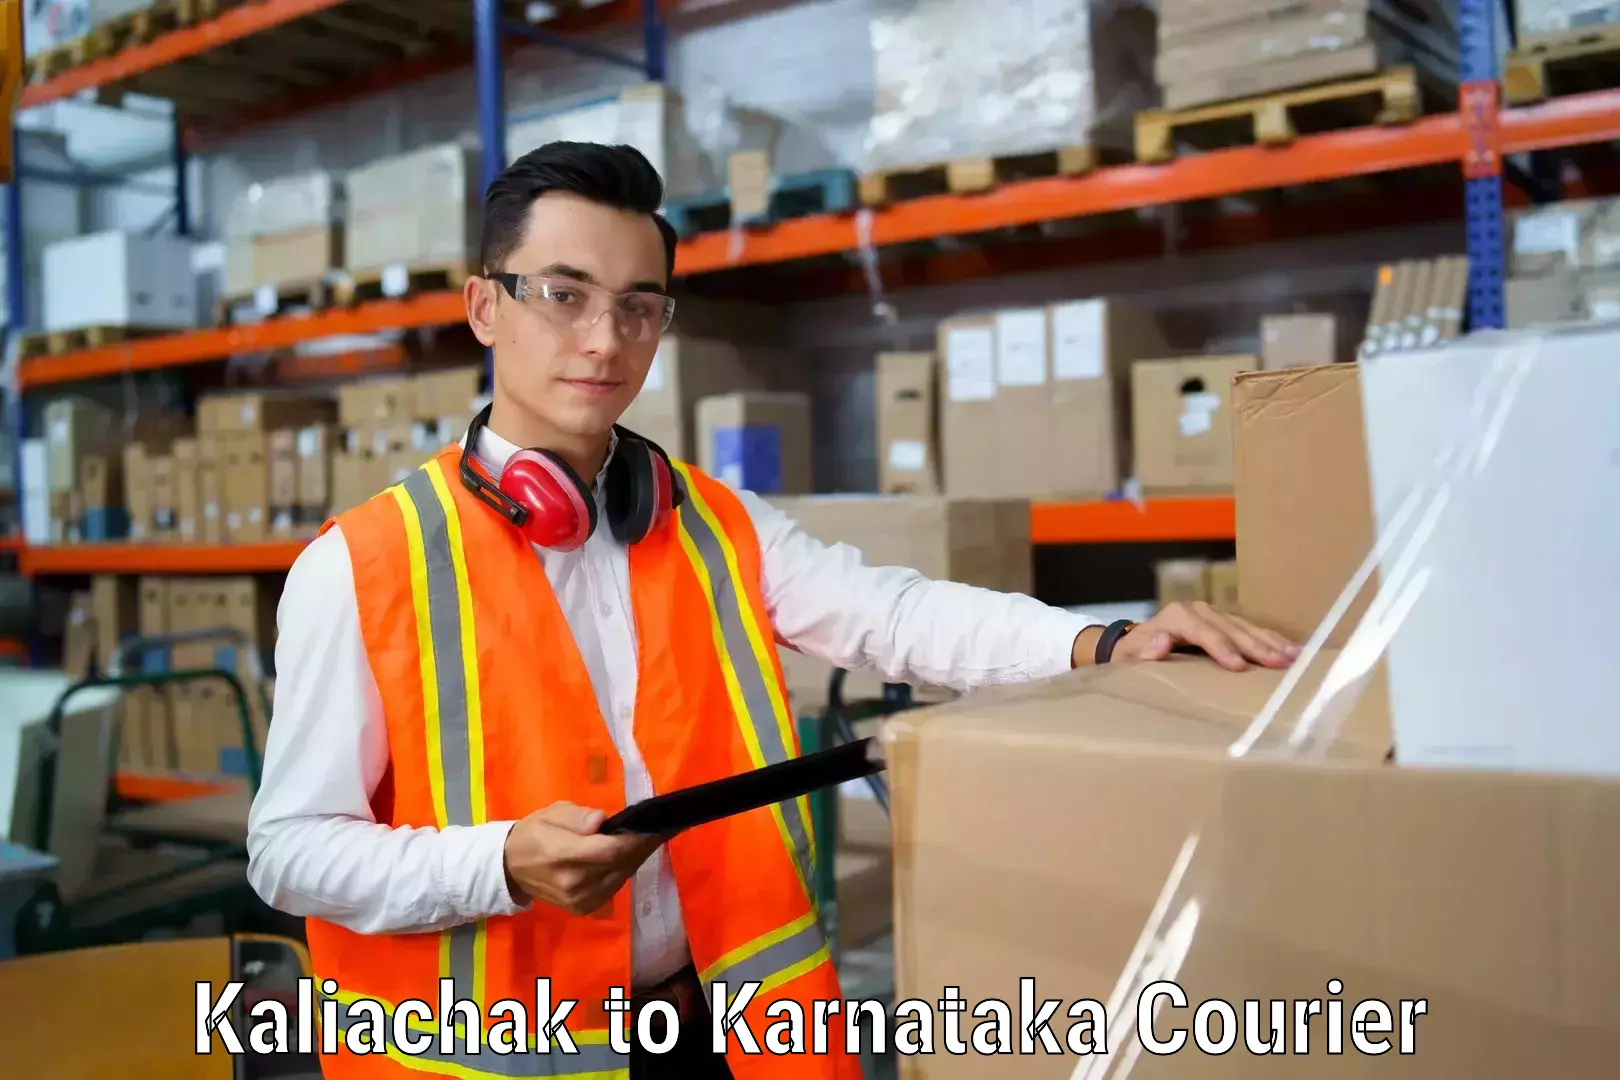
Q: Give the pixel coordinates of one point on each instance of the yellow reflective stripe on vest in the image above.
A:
(756, 697)
(596, 1059)
(451, 697)
(772, 959)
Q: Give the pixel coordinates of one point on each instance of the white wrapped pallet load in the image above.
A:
(419, 210)
(962, 78)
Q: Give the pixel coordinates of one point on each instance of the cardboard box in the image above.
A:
(75, 427)
(138, 493)
(1293, 341)
(141, 281)
(314, 481)
(283, 481)
(447, 396)
(1023, 426)
(1556, 20)
(256, 412)
(245, 482)
(287, 230)
(420, 209)
(187, 491)
(1182, 581)
(352, 482)
(377, 402)
(1486, 895)
(148, 711)
(968, 417)
(1182, 422)
(79, 637)
(210, 488)
(1094, 345)
(982, 542)
(756, 441)
(1223, 585)
(908, 423)
(1302, 494)
(688, 368)
(165, 508)
(116, 612)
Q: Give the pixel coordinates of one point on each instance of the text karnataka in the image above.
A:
(1164, 1021)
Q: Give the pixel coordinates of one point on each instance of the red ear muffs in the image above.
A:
(559, 512)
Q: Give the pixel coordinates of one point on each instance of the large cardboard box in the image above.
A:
(908, 423)
(757, 441)
(257, 412)
(419, 210)
(75, 427)
(377, 402)
(1303, 498)
(316, 444)
(1182, 422)
(211, 462)
(187, 490)
(245, 482)
(1481, 900)
(969, 418)
(284, 231)
(983, 542)
(688, 368)
(1292, 341)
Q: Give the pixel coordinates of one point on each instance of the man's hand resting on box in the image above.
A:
(556, 855)
(1231, 640)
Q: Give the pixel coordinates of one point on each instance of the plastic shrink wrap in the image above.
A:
(1393, 858)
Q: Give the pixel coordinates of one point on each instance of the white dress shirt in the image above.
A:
(315, 848)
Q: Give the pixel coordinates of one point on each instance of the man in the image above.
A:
(458, 706)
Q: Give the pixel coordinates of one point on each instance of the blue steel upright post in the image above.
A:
(654, 42)
(1479, 99)
(182, 164)
(491, 109)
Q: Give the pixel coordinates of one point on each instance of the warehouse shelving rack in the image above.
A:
(1478, 138)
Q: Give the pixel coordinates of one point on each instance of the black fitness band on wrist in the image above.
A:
(1110, 637)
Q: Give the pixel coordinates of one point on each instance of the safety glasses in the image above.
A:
(579, 306)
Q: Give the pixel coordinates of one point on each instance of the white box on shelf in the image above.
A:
(119, 279)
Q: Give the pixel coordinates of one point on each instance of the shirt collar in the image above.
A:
(493, 452)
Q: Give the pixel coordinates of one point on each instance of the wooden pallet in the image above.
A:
(1569, 63)
(57, 342)
(119, 33)
(358, 286)
(1390, 97)
(966, 176)
(316, 294)
(823, 191)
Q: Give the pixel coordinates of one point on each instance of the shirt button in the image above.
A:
(624, 712)
(607, 610)
(646, 908)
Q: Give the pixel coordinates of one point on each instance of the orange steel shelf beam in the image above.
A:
(1156, 520)
(232, 25)
(1577, 120)
(1050, 523)
(152, 788)
(1432, 140)
(197, 346)
(266, 558)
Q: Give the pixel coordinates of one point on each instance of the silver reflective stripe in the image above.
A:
(728, 604)
(444, 615)
(795, 949)
(450, 678)
(592, 1058)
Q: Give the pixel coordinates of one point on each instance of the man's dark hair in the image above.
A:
(617, 176)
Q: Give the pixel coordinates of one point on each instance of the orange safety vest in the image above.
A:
(491, 715)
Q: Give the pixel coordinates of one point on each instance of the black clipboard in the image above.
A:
(677, 811)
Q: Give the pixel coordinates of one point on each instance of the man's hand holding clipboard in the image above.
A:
(577, 859)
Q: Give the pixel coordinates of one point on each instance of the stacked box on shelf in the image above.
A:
(119, 281)
(1564, 264)
(964, 79)
(283, 238)
(235, 433)
(391, 425)
(1542, 20)
(1049, 387)
(195, 727)
(416, 211)
(689, 143)
(1219, 50)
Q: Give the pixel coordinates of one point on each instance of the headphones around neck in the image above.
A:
(542, 496)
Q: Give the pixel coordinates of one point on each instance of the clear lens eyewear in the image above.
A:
(577, 305)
